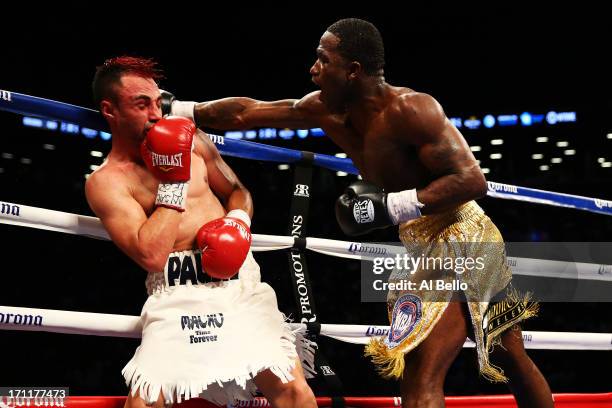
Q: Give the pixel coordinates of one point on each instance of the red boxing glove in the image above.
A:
(225, 244)
(167, 153)
(167, 149)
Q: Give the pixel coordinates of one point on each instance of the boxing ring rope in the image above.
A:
(100, 324)
(127, 326)
(51, 220)
(31, 105)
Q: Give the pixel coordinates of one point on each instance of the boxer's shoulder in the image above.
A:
(311, 105)
(115, 179)
(409, 103)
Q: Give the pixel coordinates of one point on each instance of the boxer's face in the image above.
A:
(330, 73)
(137, 105)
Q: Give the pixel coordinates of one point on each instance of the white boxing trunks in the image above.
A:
(209, 339)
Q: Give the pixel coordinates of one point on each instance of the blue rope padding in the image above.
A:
(46, 108)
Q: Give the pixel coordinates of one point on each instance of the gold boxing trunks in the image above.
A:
(462, 233)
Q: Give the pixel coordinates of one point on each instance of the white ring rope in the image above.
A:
(41, 218)
(99, 324)
(13, 318)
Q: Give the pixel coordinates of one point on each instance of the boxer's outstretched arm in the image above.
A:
(222, 179)
(444, 152)
(245, 113)
(147, 240)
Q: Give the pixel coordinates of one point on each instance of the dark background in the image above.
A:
(473, 59)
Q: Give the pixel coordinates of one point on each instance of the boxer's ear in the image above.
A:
(354, 70)
(107, 109)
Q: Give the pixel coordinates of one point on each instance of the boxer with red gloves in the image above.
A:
(166, 151)
(192, 326)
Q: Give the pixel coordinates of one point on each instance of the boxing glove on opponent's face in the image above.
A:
(166, 151)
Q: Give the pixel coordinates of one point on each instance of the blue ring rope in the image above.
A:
(46, 108)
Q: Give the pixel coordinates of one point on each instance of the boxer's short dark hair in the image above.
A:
(360, 41)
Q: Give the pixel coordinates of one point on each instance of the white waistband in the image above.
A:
(182, 268)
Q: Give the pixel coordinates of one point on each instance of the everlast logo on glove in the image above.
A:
(240, 227)
(166, 162)
(363, 211)
(166, 151)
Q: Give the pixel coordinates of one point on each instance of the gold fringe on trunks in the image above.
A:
(443, 235)
(502, 316)
(390, 361)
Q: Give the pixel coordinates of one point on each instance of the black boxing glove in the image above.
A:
(365, 207)
(171, 106)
